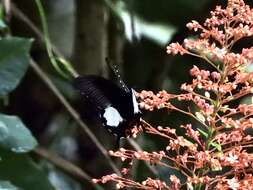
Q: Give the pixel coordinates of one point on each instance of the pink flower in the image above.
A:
(219, 137)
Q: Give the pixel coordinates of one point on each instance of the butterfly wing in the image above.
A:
(113, 103)
(100, 91)
(91, 88)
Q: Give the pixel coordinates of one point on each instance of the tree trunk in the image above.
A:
(90, 37)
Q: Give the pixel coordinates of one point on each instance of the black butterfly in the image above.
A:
(114, 104)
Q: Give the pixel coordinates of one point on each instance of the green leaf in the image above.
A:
(6, 185)
(22, 172)
(14, 61)
(203, 132)
(14, 135)
(216, 146)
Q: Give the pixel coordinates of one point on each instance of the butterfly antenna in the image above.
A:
(115, 70)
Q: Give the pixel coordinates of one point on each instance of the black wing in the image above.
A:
(102, 92)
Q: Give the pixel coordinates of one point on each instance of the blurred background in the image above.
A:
(134, 35)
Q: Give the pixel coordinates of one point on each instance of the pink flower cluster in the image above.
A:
(151, 101)
(215, 152)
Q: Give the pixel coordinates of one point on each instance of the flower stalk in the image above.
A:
(216, 152)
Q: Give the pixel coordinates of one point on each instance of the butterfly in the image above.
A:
(115, 105)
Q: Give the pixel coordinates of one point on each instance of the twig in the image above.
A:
(66, 166)
(72, 112)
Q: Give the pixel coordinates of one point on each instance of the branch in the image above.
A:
(66, 166)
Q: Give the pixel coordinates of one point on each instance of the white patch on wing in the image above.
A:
(135, 104)
(112, 117)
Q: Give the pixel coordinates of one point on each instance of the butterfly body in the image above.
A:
(116, 106)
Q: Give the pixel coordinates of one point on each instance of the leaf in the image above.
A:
(203, 132)
(157, 32)
(22, 172)
(14, 61)
(216, 146)
(6, 185)
(14, 135)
